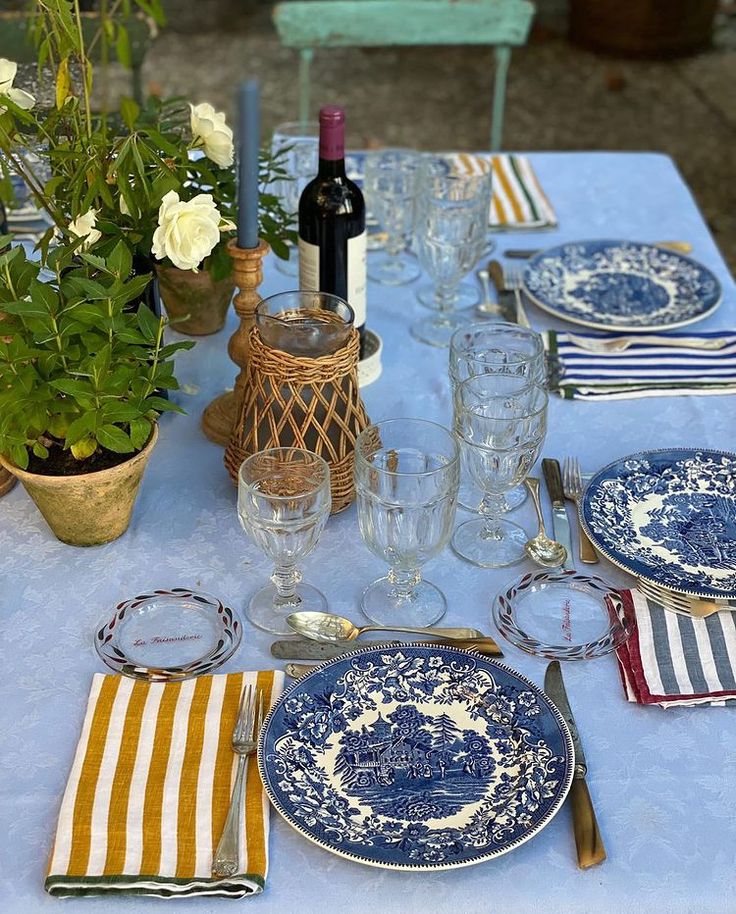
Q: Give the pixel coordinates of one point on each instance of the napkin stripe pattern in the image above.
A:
(643, 369)
(518, 200)
(674, 659)
(150, 787)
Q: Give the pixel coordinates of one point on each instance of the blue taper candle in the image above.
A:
(249, 138)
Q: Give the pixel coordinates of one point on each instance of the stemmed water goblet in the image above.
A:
(390, 187)
(450, 224)
(283, 504)
(493, 348)
(406, 478)
(501, 420)
(298, 146)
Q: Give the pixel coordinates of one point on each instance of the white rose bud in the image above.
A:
(23, 99)
(209, 129)
(187, 230)
(84, 227)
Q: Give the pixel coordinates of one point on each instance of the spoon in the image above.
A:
(487, 306)
(327, 627)
(621, 343)
(542, 550)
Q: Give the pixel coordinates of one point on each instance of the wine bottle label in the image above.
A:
(309, 275)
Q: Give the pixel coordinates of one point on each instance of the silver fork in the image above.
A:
(245, 740)
(572, 484)
(512, 281)
(680, 603)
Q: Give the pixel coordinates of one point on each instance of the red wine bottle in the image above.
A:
(332, 223)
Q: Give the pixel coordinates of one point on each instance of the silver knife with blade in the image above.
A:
(560, 522)
(506, 298)
(306, 649)
(588, 840)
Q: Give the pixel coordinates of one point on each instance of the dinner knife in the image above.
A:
(506, 297)
(305, 649)
(588, 840)
(560, 522)
(682, 247)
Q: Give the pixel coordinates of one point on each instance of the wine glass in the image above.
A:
(298, 142)
(501, 421)
(451, 221)
(406, 477)
(494, 348)
(391, 180)
(283, 504)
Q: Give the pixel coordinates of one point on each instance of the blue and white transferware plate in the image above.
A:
(416, 758)
(668, 516)
(621, 285)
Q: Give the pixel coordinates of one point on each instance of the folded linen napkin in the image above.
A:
(518, 201)
(674, 660)
(149, 790)
(643, 369)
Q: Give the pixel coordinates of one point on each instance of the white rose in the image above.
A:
(209, 128)
(187, 230)
(84, 227)
(23, 99)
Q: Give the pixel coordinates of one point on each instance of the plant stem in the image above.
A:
(84, 61)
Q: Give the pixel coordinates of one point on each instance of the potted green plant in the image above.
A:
(80, 382)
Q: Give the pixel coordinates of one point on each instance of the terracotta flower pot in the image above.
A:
(90, 508)
(195, 304)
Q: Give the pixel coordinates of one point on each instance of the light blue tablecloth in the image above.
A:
(663, 782)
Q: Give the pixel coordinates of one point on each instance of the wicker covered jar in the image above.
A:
(301, 386)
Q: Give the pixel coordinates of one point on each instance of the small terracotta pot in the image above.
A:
(195, 304)
(7, 481)
(90, 508)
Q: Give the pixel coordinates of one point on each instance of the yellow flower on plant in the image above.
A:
(23, 99)
(209, 129)
(188, 230)
(84, 227)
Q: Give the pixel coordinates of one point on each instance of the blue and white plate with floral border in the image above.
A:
(621, 285)
(416, 758)
(668, 516)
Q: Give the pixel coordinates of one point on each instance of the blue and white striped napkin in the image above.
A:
(674, 660)
(651, 369)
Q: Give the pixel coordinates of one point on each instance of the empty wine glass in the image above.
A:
(391, 180)
(298, 142)
(501, 421)
(451, 222)
(406, 478)
(283, 504)
(493, 348)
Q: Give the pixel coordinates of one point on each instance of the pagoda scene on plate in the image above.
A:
(670, 515)
(415, 758)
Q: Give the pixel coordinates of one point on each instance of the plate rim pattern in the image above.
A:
(432, 866)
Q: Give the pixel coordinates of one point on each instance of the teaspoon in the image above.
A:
(328, 627)
(541, 549)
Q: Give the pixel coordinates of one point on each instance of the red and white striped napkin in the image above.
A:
(674, 660)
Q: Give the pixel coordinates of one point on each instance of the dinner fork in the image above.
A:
(512, 281)
(681, 603)
(245, 740)
(572, 485)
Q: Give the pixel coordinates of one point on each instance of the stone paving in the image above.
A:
(559, 97)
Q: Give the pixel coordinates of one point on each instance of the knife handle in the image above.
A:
(588, 840)
(553, 479)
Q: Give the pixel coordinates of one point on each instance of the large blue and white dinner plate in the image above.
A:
(416, 758)
(668, 516)
(621, 285)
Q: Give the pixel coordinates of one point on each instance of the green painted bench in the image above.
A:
(310, 24)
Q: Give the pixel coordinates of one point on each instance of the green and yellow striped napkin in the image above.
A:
(149, 790)
(518, 201)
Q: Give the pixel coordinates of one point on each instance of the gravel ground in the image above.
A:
(559, 97)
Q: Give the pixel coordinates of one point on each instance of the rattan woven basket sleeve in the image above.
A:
(311, 403)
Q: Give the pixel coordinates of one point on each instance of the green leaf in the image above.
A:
(148, 323)
(82, 427)
(122, 48)
(73, 388)
(114, 439)
(84, 448)
(63, 82)
(120, 260)
(40, 451)
(140, 432)
(130, 112)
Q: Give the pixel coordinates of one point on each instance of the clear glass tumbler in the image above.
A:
(391, 182)
(494, 348)
(298, 142)
(502, 422)
(406, 477)
(283, 504)
(451, 222)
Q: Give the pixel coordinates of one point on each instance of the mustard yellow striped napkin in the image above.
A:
(149, 790)
(518, 201)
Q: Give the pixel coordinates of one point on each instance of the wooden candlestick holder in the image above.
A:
(219, 417)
